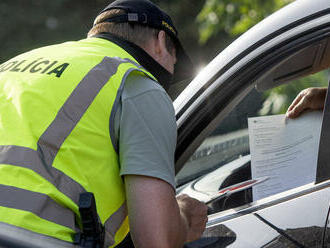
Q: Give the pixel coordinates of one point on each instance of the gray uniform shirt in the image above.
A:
(145, 130)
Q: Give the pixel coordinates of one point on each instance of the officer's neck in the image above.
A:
(144, 59)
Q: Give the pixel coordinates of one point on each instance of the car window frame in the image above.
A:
(323, 163)
(196, 125)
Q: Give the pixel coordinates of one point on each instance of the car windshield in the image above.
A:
(230, 139)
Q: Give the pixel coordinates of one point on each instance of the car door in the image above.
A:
(213, 144)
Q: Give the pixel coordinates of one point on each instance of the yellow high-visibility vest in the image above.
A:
(56, 106)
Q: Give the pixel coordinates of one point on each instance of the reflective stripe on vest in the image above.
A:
(113, 224)
(39, 204)
(33, 160)
(49, 143)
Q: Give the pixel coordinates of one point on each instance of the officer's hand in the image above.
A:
(195, 213)
(307, 99)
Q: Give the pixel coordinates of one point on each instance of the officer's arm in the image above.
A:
(154, 215)
(147, 142)
(157, 218)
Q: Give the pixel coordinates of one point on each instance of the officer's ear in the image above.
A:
(154, 46)
(161, 48)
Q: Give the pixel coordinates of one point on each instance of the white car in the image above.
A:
(213, 150)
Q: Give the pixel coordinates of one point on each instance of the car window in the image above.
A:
(223, 159)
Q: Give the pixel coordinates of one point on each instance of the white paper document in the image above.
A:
(284, 150)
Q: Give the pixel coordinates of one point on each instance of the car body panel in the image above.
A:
(292, 212)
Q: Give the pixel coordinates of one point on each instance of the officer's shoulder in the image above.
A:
(137, 84)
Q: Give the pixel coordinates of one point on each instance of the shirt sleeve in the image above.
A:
(147, 130)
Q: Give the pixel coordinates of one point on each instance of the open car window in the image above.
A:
(223, 159)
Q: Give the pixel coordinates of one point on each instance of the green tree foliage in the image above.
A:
(234, 16)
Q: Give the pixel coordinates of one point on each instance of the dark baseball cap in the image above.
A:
(146, 13)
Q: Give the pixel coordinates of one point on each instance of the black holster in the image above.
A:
(92, 235)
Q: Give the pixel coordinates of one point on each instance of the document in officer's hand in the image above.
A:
(285, 150)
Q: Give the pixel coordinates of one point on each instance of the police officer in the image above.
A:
(93, 116)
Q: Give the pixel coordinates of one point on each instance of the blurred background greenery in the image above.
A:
(206, 27)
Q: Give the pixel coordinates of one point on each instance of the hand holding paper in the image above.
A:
(310, 98)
